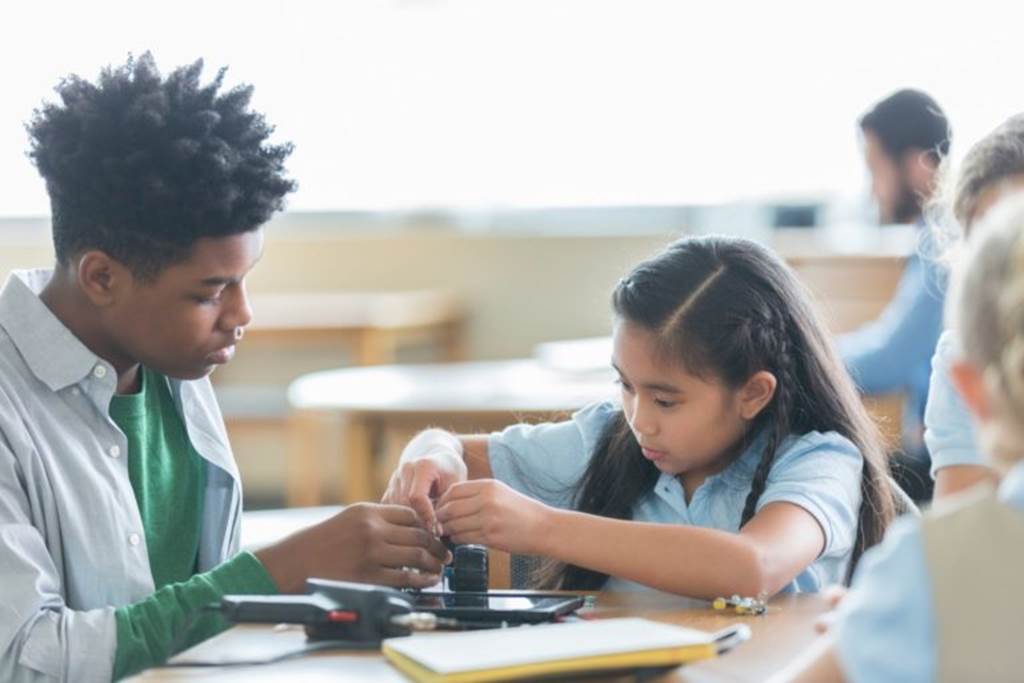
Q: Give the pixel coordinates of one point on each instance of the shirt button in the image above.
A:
(99, 372)
(75, 391)
(134, 539)
(115, 451)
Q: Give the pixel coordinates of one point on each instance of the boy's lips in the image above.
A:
(222, 355)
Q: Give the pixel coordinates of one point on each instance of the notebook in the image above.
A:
(550, 650)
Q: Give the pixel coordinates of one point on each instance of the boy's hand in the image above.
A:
(365, 542)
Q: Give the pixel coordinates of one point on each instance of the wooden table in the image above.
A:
(366, 411)
(778, 636)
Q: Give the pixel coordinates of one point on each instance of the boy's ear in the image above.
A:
(101, 278)
(756, 394)
(970, 384)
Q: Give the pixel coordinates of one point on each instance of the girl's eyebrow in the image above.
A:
(652, 386)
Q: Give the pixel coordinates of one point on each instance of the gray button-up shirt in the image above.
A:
(72, 545)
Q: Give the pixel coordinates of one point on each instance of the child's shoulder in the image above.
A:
(818, 441)
(815, 449)
(581, 431)
(596, 414)
(593, 420)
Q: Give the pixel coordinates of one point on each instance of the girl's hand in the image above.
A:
(419, 482)
(488, 512)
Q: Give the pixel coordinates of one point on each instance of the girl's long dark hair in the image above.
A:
(728, 308)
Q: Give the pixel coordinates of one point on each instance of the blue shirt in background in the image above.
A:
(948, 426)
(893, 352)
(820, 472)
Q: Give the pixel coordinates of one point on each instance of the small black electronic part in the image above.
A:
(469, 569)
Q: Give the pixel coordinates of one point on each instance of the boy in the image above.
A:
(119, 497)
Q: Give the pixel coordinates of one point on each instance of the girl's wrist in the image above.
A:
(549, 535)
(435, 444)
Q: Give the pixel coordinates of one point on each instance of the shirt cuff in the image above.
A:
(243, 574)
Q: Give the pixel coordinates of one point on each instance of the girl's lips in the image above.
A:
(653, 455)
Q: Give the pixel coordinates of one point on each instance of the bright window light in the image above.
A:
(520, 103)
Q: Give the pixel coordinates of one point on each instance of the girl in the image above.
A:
(740, 440)
(992, 167)
(939, 600)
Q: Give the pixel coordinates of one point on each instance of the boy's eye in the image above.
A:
(624, 384)
(663, 403)
(206, 300)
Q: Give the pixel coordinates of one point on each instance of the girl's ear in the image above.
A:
(756, 394)
(970, 383)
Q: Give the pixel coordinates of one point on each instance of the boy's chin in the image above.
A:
(192, 372)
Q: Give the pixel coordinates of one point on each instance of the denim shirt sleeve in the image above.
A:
(948, 430)
(547, 461)
(885, 628)
(881, 355)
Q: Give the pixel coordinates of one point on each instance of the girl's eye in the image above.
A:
(664, 404)
(206, 300)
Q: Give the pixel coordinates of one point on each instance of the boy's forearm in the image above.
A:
(173, 618)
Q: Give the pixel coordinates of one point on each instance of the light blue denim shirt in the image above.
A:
(948, 426)
(893, 352)
(72, 545)
(820, 472)
(885, 629)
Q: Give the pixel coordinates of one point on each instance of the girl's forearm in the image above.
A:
(686, 560)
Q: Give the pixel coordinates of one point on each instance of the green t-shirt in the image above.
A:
(169, 477)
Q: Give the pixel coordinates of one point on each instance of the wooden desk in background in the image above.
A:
(777, 637)
(353, 414)
(298, 332)
(360, 417)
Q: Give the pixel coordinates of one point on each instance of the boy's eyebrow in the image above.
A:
(652, 386)
(218, 281)
(227, 280)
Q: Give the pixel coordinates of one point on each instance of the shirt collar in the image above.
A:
(60, 360)
(52, 352)
(1011, 488)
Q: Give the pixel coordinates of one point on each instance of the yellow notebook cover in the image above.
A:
(546, 650)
